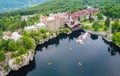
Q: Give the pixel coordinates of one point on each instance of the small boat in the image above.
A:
(80, 64)
(49, 63)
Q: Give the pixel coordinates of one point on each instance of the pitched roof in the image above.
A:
(81, 12)
(8, 34)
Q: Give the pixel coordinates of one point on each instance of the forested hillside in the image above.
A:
(108, 7)
(12, 20)
(106, 21)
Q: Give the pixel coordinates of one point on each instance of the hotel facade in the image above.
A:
(55, 21)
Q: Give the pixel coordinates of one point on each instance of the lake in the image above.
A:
(97, 57)
(10, 5)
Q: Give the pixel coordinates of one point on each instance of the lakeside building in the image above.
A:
(40, 25)
(28, 28)
(84, 14)
(15, 36)
(35, 27)
(54, 21)
(74, 19)
(73, 25)
(26, 17)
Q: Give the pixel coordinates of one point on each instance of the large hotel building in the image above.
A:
(54, 21)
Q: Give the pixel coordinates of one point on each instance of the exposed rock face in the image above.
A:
(1, 73)
(24, 60)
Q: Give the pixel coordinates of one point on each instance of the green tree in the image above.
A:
(67, 30)
(116, 26)
(17, 61)
(107, 21)
(27, 42)
(11, 45)
(96, 26)
(44, 36)
(23, 24)
(116, 38)
(2, 55)
(99, 16)
(22, 50)
(43, 31)
(1, 33)
(26, 33)
(37, 39)
(4, 44)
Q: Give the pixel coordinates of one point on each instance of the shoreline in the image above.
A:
(54, 36)
(102, 34)
(29, 57)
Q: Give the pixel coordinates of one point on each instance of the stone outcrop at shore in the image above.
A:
(13, 65)
(24, 60)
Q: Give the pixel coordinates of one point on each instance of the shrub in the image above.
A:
(116, 38)
(17, 61)
(96, 26)
(6, 68)
(2, 55)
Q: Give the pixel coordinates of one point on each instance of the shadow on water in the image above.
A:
(24, 70)
(56, 40)
(94, 36)
(112, 48)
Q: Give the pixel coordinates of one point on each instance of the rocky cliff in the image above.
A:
(21, 61)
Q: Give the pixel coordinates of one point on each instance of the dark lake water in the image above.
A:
(97, 56)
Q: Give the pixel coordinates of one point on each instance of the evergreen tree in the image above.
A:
(23, 24)
(2, 55)
(107, 21)
(116, 38)
(96, 26)
(11, 45)
(116, 26)
(27, 42)
(99, 16)
(1, 33)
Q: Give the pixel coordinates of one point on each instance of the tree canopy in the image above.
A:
(116, 26)
(107, 22)
(116, 38)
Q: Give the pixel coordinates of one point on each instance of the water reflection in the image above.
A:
(24, 71)
(94, 37)
(56, 40)
(112, 48)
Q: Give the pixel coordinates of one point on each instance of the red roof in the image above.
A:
(8, 35)
(95, 10)
(81, 12)
(57, 16)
